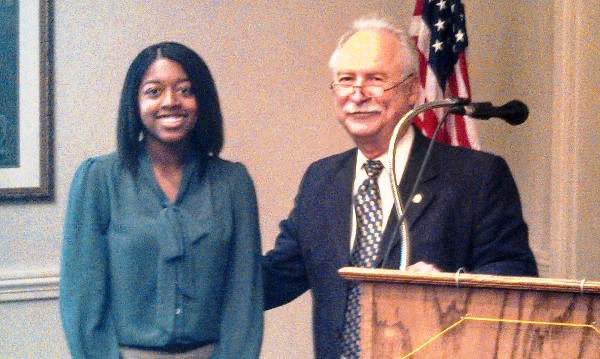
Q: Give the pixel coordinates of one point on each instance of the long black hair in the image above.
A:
(207, 135)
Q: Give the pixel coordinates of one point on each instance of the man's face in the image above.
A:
(372, 58)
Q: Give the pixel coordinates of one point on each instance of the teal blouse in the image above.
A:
(138, 270)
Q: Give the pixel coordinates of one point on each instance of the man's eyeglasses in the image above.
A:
(367, 90)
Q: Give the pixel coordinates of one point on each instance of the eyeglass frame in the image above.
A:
(364, 88)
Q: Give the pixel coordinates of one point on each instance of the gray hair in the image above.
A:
(407, 46)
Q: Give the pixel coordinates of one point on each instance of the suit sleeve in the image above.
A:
(501, 243)
(84, 268)
(242, 322)
(285, 276)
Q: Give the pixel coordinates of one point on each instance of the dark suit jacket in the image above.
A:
(470, 217)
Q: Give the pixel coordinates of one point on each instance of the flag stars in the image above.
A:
(460, 36)
(438, 45)
(441, 4)
(440, 25)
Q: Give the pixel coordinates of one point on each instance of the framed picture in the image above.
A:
(26, 100)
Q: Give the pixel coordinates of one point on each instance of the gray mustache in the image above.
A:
(351, 108)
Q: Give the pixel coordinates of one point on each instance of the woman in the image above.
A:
(161, 252)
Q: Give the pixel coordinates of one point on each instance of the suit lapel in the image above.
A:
(337, 197)
(423, 196)
(424, 193)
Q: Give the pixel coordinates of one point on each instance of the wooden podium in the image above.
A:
(444, 315)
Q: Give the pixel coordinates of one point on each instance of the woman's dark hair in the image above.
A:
(207, 135)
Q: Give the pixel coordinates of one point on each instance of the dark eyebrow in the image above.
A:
(151, 81)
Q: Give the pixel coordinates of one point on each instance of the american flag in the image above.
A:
(438, 28)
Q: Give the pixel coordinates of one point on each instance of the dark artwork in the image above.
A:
(9, 83)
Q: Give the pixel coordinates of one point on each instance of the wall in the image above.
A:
(269, 63)
(508, 46)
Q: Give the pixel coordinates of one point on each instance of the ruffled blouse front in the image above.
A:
(141, 271)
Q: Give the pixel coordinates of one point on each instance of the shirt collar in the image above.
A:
(402, 152)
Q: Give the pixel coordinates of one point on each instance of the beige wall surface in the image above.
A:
(269, 63)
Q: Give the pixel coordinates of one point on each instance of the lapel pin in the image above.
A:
(417, 198)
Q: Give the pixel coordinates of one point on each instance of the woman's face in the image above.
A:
(168, 107)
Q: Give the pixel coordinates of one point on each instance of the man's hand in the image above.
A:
(423, 267)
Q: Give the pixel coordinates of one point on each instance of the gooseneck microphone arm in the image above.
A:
(401, 127)
(514, 112)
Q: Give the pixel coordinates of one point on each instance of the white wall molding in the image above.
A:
(564, 166)
(28, 285)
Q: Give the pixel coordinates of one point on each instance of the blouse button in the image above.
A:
(178, 311)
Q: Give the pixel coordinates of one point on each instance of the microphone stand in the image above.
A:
(401, 126)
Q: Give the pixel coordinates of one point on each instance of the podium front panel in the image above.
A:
(404, 317)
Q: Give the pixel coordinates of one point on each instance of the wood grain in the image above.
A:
(482, 317)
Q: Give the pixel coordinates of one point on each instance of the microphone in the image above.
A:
(514, 112)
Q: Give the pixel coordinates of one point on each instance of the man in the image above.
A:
(466, 213)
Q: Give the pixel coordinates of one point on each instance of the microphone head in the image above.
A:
(515, 112)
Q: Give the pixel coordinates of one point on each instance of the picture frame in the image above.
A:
(29, 174)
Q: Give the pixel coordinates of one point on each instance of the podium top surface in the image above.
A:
(461, 279)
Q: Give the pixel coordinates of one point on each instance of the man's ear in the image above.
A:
(414, 89)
